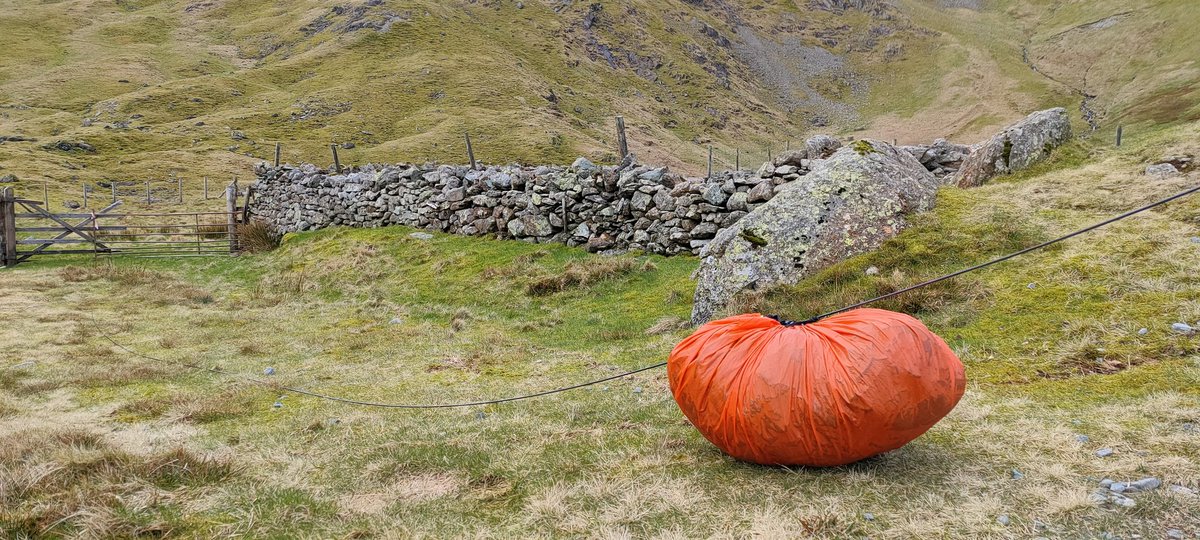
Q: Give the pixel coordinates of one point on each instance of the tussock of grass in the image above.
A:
(581, 273)
(257, 237)
(124, 275)
(72, 483)
(215, 406)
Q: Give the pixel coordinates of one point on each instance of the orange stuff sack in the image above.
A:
(823, 394)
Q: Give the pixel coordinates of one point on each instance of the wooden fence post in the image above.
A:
(8, 222)
(85, 201)
(231, 208)
(278, 150)
(709, 162)
(1120, 129)
(246, 205)
(622, 142)
(337, 163)
(768, 153)
(147, 192)
(179, 188)
(46, 195)
(113, 184)
(737, 160)
(471, 153)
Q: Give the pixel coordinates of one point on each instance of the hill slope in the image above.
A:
(206, 87)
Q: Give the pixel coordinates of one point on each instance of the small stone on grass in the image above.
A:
(1003, 519)
(1145, 484)
(269, 371)
(1104, 452)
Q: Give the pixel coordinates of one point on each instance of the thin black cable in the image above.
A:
(1006, 257)
(297, 390)
(660, 364)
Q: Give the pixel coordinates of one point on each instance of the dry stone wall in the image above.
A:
(603, 208)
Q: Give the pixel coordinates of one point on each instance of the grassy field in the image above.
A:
(98, 442)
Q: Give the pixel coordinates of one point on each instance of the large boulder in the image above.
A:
(1017, 147)
(848, 205)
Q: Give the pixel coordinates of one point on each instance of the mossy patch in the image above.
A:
(863, 147)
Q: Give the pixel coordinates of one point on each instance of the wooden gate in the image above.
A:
(28, 230)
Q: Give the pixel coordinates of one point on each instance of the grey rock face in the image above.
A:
(849, 205)
(821, 146)
(1017, 147)
(1161, 170)
(583, 166)
(945, 155)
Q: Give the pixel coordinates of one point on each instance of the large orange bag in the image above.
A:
(823, 394)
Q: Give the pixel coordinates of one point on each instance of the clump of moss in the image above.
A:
(753, 237)
(863, 147)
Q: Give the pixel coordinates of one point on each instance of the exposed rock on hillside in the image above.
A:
(1017, 147)
(71, 146)
(848, 205)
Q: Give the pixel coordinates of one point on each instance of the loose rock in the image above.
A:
(1161, 170)
(1145, 484)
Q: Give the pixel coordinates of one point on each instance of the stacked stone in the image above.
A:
(942, 158)
(604, 208)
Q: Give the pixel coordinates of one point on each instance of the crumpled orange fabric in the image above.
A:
(823, 394)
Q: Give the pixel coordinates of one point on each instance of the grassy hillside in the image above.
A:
(206, 87)
(101, 442)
